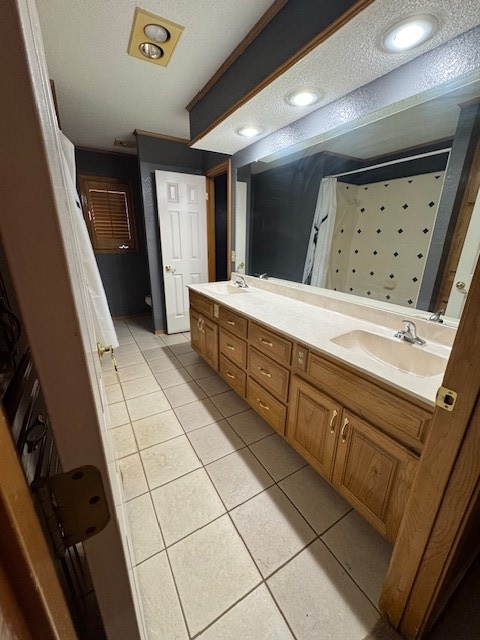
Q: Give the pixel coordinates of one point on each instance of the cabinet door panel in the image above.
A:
(373, 473)
(210, 343)
(313, 422)
(195, 333)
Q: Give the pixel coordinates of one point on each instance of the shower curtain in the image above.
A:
(105, 333)
(318, 254)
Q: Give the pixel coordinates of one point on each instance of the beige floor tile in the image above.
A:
(213, 385)
(213, 570)
(114, 393)
(144, 529)
(156, 429)
(181, 347)
(134, 371)
(165, 364)
(188, 359)
(118, 414)
(250, 426)
(127, 348)
(187, 335)
(315, 593)
(133, 478)
(139, 387)
(158, 353)
(123, 441)
(321, 505)
(129, 359)
(278, 457)
(362, 551)
(169, 460)
(173, 338)
(214, 441)
(161, 607)
(147, 405)
(272, 529)
(173, 377)
(126, 339)
(184, 394)
(197, 414)
(253, 618)
(109, 377)
(199, 370)
(229, 403)
(238, 477)
(186, 504)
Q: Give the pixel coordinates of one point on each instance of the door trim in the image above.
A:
(218, 170)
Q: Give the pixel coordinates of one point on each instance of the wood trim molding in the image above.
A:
(211, 249)
(229, 219)
(106, 151)
(217, 170)
(354, 10)
(257, 28)
(162, 136)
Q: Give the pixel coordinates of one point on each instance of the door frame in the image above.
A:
(218, 170)
(35, 239)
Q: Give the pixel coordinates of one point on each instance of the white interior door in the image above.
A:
(240, 226)
(182, 215)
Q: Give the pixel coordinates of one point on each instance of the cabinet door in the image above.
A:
(195, 333)
(313, 421)
(210, 342)
(373, 473)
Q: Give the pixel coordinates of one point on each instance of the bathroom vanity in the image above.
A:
(330, 377)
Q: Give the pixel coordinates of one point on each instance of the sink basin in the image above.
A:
(224, 288)
(401, 355)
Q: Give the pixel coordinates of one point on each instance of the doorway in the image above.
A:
(218, 222)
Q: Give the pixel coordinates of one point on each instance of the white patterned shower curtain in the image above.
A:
(318, 254)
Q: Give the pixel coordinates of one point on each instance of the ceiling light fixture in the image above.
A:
(303, 98)
(150, 50)
(409, 33)
(156, 32)
(249, 132)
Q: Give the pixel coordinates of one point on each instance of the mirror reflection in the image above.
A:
(372, 212)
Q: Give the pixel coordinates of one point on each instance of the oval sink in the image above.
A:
(401, 355)
(225, 288)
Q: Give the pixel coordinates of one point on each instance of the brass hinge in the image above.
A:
(446, 398)
(73, 505)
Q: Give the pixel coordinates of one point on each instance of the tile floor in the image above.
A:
(234, 536)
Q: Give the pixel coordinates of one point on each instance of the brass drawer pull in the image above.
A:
(230, 347)
(333, 420)
(231, 322)
(264, 372)
(344, 431)
(230, 375)
(266, 342)
(264, 406)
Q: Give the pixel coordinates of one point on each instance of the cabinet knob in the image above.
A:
(344, 431)
(265, 372)
(266, 342)
(264, 406)
(333, 419)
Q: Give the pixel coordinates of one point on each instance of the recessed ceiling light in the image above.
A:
(303, 98)
(156, 32)
(150, 50)
(409, 33)
(249, 132)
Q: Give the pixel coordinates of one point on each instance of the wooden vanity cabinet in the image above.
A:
(204, 337)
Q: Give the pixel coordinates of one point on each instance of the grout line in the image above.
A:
(335, 523)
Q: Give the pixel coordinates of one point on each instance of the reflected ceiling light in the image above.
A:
(249, 132)
(150, 50)
(156, 32)
(303, 98)
(409, 33)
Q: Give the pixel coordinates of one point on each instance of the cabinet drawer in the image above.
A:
(233, 375)
(271, 410)
(269, 374)
(273, 345)
(202, 304)
(233, 322)
(233, 348)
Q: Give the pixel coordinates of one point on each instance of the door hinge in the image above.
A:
(73, 506)
(446, 398)
(206, 195)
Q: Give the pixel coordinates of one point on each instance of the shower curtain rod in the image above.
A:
(386, 164)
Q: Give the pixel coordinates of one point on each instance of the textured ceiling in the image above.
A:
(103, 93)
(349, 59)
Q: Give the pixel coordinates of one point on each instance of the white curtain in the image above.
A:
(104, 330)
(318, 254)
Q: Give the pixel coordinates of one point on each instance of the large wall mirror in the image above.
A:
(385, 211)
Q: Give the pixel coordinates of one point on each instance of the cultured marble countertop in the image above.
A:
(309, 322)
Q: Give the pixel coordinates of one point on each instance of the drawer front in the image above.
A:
(235, 349)
(271, 410)
(278, 348)
(233, 375)
(233, 322)
(270, 375)
(202, 304)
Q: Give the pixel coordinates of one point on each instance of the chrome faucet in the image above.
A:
(409, 334)
(239, 281)
(435, 317)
